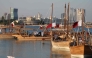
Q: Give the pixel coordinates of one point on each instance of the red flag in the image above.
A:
(87, 33)
(57, 26)
(49, 26)
(53, 25)
(75, 24)
(41, 27)
(78, 23)
(12, 24)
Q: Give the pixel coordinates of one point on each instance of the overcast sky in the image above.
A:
(32, 7)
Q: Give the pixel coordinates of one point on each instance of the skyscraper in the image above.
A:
(14, 13)
(79, 14)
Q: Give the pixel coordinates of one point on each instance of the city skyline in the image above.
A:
(32, 7)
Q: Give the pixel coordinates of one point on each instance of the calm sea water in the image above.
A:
(28, 49)
(25, 49)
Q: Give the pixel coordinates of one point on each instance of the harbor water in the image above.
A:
(28, 49)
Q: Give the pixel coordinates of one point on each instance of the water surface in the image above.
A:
(25, 49)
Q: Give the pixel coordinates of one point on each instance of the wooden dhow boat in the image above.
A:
(83, 49)
(64, 38)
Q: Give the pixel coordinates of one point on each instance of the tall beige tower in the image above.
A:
(79, 14)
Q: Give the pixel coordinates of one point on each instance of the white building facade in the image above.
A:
(79, 14)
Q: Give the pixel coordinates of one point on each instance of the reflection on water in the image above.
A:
(24, 49)
(29, 49)
(56, 53)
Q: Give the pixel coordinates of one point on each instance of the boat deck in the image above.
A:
(19, 37)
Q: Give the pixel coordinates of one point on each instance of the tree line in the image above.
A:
(3, 21)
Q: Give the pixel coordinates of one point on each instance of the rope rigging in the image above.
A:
(90, 37)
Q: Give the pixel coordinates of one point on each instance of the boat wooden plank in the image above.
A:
(19, 37)
(62, 43)
(77, 50)
(81, 50)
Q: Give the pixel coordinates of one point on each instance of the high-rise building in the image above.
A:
(8, 16)
(79, 14)
(14, 13)
(5, 14)
(62, 15)
(28, 20)
(72, 15)
(39, 16)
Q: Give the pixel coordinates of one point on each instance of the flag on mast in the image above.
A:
(51, 25)
(78, 23)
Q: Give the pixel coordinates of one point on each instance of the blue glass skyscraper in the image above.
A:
(14, 13)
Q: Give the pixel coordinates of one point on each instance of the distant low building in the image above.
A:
(39, 16)
(46, 21)
(28, 20)
(88, 23)
(58, 21)
(8, 16)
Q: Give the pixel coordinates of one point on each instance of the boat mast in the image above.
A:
(51, 18)
(65, 18)
(68, 18)
(82, 25)
(9, 19)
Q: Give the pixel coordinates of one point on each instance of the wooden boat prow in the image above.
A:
(63, 45)
(81, 51)
(77, 50)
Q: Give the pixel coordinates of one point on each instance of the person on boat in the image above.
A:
(74, 41)
(35, 33)
(80, 41)
(55, 37)
(87, 37)
(73, 38)
(39, 33)
(42, 33)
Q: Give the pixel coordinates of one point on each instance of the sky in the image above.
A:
(32, 7)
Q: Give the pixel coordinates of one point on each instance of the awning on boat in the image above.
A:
(56, 29)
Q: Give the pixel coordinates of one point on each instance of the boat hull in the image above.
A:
(77, 56)
(64, 45)
(83, 51)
